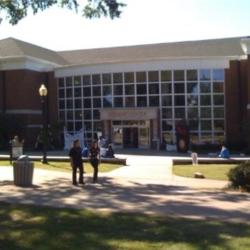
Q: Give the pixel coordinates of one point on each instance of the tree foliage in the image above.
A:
(15, 10)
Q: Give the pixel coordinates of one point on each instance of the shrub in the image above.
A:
(240, 176)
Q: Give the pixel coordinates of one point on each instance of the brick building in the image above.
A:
(134, 95)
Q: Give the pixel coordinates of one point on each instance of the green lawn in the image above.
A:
(65, 166)
(29, 227)
(211, 171)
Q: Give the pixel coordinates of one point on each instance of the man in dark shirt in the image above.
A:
(75, 155)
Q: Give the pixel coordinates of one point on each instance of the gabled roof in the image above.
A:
(227, 47)
(15, 48)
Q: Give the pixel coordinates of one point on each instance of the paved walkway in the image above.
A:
(146, 185)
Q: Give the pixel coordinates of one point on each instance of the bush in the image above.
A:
(240, 176)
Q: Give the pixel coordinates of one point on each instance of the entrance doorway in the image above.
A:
(130, 137)
(131, 134)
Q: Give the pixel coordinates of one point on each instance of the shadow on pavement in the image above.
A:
(135, 197)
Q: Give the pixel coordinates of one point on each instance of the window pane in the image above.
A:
(205, 100)
(69, 82)
(192, 100)
(154, 89)
(193, 124)
(129, 77)
(107, 90)
(118, 90)
(219, 112)
(218, 100)
(61, 93)
(167, 125)
(205, 74)
(129, 101)
(141, 101)
(87, 115)
(70, 126)
(62, 116)
(106, 78)
(153, 76)
(77, 81)
(219, 125)
(98, 126)
(87, 126)
(166, 100)
(96, 114)
(194, 137)
(205, 112)
(179, 75)
(206, 137)
(166, 76)
(78, 115)
(118, 102)
(179, 100)
(78, 103)
(179, 113)
(205, 87)
(179, 88)
(129, 90)
(141, 89)
(107, 101)
(192, 87)
(69, 93)
(166, 88)
(78, 125)
(218, 87)
(117, 78)
(219, 138)
(87, 103)
(87, 91)
(97, 102)
(167, 113)
(61, 104)
(192, 113)
(86, 80)
(96, 79)
(69, 104)
(218, 75)
(78, 92)
(153, 101)
(192, 75)
(61, 82)
(96, 91)
(206, 125)
(140, 76)
(70, 115)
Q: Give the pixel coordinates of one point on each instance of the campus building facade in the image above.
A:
(135, 96)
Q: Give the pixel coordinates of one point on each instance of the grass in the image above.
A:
(65, 166)
(211, 171)
(31, 227)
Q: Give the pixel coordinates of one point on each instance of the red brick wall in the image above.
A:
(21, 93)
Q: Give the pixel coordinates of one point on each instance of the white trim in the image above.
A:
(144, 66)
(24, 111)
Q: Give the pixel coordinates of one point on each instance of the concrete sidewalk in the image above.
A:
(146, 185)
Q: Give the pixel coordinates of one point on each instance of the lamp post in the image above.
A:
(43, 92)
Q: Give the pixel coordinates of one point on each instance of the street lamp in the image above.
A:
(43, 92)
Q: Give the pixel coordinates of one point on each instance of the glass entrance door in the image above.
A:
(144, 138)
(130, 137)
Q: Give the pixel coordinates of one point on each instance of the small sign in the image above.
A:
(17, 152)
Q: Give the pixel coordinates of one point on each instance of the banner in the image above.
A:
(69, 138)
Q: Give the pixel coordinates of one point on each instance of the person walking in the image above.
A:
(75, 155)
(94, 155)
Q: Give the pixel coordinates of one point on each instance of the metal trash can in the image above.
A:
(23, 170)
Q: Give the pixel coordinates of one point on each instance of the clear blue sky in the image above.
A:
(142, 21)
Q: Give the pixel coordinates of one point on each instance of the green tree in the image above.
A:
(15, 10)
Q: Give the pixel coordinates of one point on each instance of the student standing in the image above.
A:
(94, 155)
(75, 155)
